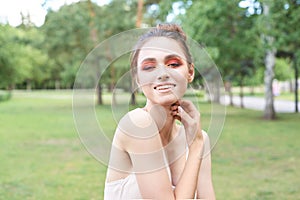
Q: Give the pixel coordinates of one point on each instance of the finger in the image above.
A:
(185, 117)
(187, 105)
(189, 108)
(174, 112)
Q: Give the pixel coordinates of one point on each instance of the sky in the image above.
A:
(10, 10)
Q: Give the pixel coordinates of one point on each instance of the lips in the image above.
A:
(164, 87)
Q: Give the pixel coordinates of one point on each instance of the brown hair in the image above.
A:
(171, 31)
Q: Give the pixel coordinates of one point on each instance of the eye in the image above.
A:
(173, 63)
(146, 66)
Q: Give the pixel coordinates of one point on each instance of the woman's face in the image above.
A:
(162, 71)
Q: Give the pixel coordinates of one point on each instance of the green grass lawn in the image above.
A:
(42, 157)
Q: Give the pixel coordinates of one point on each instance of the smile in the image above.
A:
(164, 87)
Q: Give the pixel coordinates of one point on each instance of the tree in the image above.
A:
(8, 58)
(281, 38)
(286, 14)
(231, 33)
(113, 24)
(22, 59)
(34, 61)
(67, 41)
(283, 69)
(270, 51)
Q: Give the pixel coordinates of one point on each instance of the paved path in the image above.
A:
(258, 103)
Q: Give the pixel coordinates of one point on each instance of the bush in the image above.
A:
(195, 93)
(4, 95)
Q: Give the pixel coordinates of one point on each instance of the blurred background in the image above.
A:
(254, 43)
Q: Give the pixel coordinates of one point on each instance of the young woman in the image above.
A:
(160, 151)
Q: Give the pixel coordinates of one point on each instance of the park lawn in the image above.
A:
(42, 157)
(257, 159)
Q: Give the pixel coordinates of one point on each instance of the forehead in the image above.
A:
(160, 47)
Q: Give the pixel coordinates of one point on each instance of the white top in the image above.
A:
(126, 188)
(122, 189)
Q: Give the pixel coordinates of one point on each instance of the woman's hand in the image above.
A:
(187, 113)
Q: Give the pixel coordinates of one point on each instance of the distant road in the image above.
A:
(258, 103)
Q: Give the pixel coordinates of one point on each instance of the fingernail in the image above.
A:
(180, 109)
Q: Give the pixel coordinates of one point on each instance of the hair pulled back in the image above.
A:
(171, 31)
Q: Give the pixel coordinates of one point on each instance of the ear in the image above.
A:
(191, 72)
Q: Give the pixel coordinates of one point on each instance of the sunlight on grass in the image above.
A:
(43, 158)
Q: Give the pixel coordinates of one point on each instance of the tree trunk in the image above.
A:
(228, 88)
(11, 87)
(213, 91)
(139, 15)
(94, 38)
(296, 84)
(217, 92)
(28, 85)
(57, 84)
(231, 98)
(139, 18)
(242, 95)
(252, 90)
(99, 94)
(269, 112)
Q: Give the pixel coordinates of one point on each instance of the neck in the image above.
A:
(163, 119)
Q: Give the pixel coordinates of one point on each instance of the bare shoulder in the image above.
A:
(136, 127)
(138, 136)
(136, 121)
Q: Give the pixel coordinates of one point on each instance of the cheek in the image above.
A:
(181, 78)
(180, 75)
(146, 78)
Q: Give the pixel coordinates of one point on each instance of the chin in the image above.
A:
(166, 100)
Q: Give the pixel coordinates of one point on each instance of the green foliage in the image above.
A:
(21, 58)
(69, 33)
(67, 40)
(8, 60)
(232, 33)
(286, 16)
(116, 17)
(41, 57)
(255, 79)
(283, 69)
(283, 25)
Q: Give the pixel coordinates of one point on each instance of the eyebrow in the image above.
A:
(165, 59)
(172, 56)
(148, 60)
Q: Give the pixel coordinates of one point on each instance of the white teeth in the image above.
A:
(164, 87)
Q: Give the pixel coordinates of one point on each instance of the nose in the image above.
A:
(163, 74)
(163, 77)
